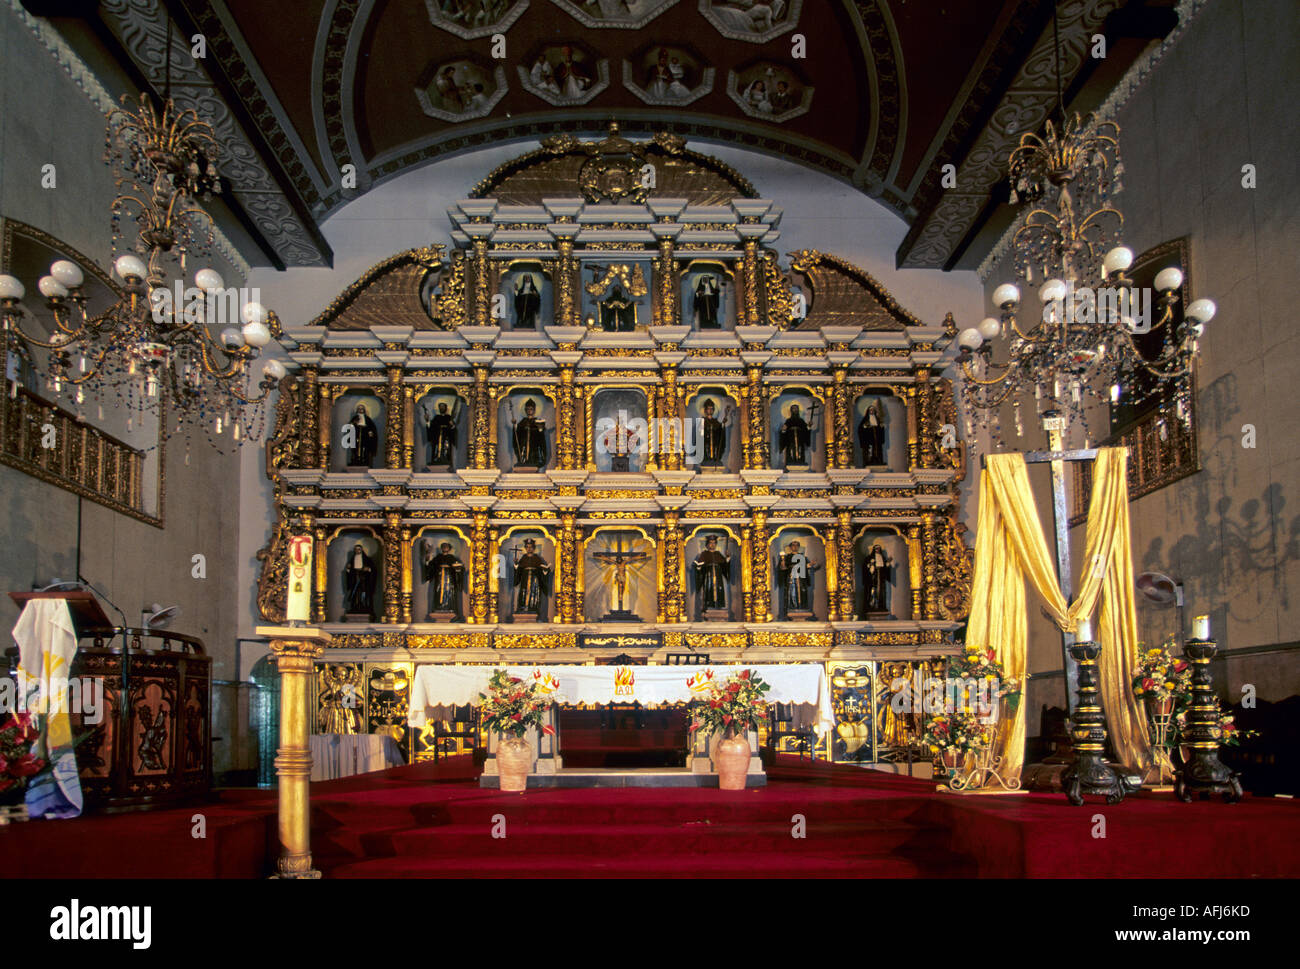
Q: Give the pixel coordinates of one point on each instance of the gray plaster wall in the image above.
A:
(1223, 97)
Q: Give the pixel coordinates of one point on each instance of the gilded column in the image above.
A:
(320, 562)
(392, 566)
(913, 446)
(395, 434)
(673, 458)
(747, 574)
(832, 570)
(481, 405)
(566, 310)
(408, 428)
(762, 578)
(568, 431)
(654, 409)
(408, 576)
(494, 576)
(326, 428)
(843, 456)
(844, 544)
(670, 577)
(914, 567)
(757, 451)
(296, 651)
(927, 427)
(567, 568)
(667, 271)
(661, 598)
(309, 408)
(580, 586)
(482, 270)
(589, 426)
(749, 272)
(929, 567)
(480, 565)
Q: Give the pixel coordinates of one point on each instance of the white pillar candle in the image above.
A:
(1084, 633)
(1201, 627)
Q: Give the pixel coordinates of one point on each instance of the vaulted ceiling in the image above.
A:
(879, 93)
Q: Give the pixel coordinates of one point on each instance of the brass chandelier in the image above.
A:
(1099, 334)
(153, 351)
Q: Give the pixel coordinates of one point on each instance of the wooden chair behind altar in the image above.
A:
(781, 724)
(462, 725)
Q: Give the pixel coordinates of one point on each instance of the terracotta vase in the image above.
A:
(514, 763)
(951, 759)
(731, 757)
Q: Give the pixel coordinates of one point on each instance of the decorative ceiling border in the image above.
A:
(90, 85)
(1128, 85)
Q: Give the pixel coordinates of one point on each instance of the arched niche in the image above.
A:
(427, 602)
(345, 408)
(512, 408)
(511, 578)
(527, 296)
(339, 556)
(811, 404)
(728, 545)
(783, 570)
(708, 290)
(435, 407)
(620, 434)
(726, 410)
(897, 588)
(891, 413)
(616, 295)
(619, 558)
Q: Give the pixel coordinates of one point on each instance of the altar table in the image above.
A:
(342, 755)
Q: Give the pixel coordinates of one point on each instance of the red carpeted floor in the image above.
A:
(434, 821)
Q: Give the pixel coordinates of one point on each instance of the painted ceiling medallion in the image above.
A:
(667, 76)
(629, 14)
(564, 75)
(458, 90)
(769, 91)
(752, 21)
(470, 19)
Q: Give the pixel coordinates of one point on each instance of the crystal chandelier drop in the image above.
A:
(153, 351)
(1099, 334)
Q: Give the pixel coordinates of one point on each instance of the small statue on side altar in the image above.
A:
(442, 436)
(528, 438)
(359, 586)
(871, 435)
(528, 303)
(713, 580)
(445, 575)
(531, 574)
(877, 571)
(340, 699)
(714, 436)
(795, 574)
(795, 439)
(708, 297)
(365, 440)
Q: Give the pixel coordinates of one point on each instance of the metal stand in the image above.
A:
(1205, 774)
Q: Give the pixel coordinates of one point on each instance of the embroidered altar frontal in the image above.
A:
(611, 419)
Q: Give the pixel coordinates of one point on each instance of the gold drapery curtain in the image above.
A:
(1010, 548)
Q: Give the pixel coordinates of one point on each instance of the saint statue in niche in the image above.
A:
(795, 438)
(794, 571)
(442, 435)
(871, 435)
(714, 436)
(708, 297)
(618, 559)
(528, 438)
(365, 439)
(877, 571)
(359, 586)
(444, 573)
(713, 580)
(528, 302)
(340, 699)
(531, 573)
(620, 442)
(617, 312)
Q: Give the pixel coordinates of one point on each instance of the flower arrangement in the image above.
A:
(979, 664)
(511, 706)
(733, 706)
(1159, 676)
(18, 765)
(1230, 735)
(962, 732)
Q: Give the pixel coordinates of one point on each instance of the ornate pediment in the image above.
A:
(392, 293)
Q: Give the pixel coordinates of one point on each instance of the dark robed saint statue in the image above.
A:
(707, 299)
(365, 439)
(359, 576)
(529, 439)
(795, 573)
(714, 436)
(530, 578)
(871, 435)
(617, 312)
(877, 570)
(528, 303)
(445, 574)
(795, 438)
(713, 578)
(442, 435)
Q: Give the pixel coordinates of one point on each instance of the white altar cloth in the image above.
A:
(803, 684)
(343, 755)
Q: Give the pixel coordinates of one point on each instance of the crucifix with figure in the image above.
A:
(618, 558)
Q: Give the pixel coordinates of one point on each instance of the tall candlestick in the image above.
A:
(1201, 627)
